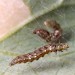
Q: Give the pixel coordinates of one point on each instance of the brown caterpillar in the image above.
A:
(53, 37)
(44, 34)
(40, 52)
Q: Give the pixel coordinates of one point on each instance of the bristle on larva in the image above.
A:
(39, 53)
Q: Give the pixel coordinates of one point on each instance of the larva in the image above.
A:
(40, 52)
(53, 37)
(44, 34)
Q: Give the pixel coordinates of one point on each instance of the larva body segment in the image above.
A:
(39, 53)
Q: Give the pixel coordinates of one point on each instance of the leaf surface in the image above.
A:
(24, 41)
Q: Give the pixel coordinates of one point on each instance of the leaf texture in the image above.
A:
(24, 41)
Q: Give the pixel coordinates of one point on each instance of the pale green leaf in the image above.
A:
(15, 14)
(24, 41)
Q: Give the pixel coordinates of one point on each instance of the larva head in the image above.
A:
(52, 23)
(18, 59)
(13, 62)
(62, 46)
(42, 33)
(38, 31)
(49, 22)
(65, 46)
(35, 31)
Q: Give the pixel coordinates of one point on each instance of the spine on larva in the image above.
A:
(38, 53)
